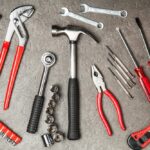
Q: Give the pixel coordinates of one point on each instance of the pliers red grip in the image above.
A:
(100, 85)
(17, 18)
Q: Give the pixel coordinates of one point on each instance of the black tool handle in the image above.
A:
(35, 114)
(73, 109)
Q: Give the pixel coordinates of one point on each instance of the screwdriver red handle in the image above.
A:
(13, 74)
(3, 53)
(144, 81)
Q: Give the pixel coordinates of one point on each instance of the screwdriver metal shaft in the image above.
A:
(144, 80)
(120, 63)
(122, 71)
(138, 21)
(119, 74)
(120, 83)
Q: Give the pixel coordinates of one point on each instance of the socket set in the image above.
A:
(53, 135)
(9, 135)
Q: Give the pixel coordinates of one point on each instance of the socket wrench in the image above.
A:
(48, 59)
(84, 8)
(65, 12)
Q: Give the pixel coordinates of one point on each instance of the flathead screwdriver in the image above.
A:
(138, 22)
(120, 83)
(144, 80)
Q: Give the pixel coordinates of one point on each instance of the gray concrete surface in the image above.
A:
(94, 137)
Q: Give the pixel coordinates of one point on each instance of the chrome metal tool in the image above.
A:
(48, 60)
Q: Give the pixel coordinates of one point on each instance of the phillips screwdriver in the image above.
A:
(120, 83)
(138, 22)
(120, 75)
(117, 66)
(120, 63)
(144, 80)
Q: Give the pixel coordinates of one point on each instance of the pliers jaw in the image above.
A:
(21, 13)
(24, 12)
(98, 79)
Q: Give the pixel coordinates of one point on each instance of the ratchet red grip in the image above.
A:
(118, 109)
(3, 53)
(144, 81)
(13, 74)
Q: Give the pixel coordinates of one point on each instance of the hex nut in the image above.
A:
(58, 137)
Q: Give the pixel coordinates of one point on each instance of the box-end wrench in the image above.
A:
(84, 8)
(65, 12)
(48, 59)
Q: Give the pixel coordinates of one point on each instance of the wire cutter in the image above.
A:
(17, 17)
(101, 87)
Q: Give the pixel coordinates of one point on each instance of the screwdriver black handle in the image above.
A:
(138, 21)
(73, 109)
(35, 114)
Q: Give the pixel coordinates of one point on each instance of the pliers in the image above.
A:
(17, 17)
(101, 87)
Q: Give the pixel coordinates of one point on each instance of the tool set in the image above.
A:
(120, 75)
(9, 135)
(53, 134)
(120, 64)
(144, 81)
(120, 83)
(101, 87)
(17, 17)
(136, 141)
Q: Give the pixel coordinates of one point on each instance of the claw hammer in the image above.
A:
(73, 33)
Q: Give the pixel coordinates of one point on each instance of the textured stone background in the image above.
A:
(136, 112)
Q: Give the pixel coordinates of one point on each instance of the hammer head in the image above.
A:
(72, 32)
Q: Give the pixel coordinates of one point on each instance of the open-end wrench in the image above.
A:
(65, 12)
(48, 59)
(84, 8)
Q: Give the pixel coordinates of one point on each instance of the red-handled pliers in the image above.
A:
(101, 87)
(17, 17)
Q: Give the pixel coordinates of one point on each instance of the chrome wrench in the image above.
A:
(84, 8)
(48, 59)
(65, 12)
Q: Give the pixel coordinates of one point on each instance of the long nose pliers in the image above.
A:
(17, 17)
(101, 87)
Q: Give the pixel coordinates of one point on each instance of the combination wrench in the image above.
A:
(48, 59)
(65, 12)
(84, 8)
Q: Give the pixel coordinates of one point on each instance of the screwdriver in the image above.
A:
(143, 79)
(120, 83)
(119, 74)
(138, 22)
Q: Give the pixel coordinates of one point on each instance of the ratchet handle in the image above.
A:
(144, 81)
(3, 53)
(35, 114)
(13, 74)
(73, 109)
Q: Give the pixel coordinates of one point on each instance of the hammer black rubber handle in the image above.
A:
(35, 114)
(73, 109)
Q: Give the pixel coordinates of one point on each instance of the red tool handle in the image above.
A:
(144, 81)
(13, 74)
(102, 115)
(3, 53)
(139, 134)
(9, 133)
